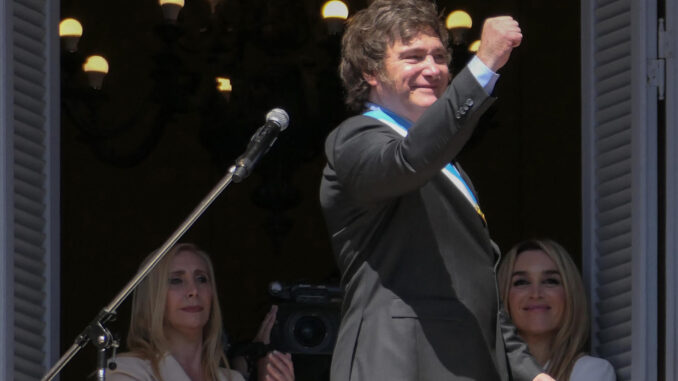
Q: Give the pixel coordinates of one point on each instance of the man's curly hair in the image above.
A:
(372, 30)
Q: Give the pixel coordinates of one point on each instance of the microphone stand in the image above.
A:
(96, 332)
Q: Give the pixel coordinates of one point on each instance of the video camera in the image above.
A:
(308, 317)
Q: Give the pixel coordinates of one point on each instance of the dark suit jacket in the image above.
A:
(417, 262)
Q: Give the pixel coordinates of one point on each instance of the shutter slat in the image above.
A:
(614, 209)
(620, 68)
(27, 369)
(30, 59)
(613, 163)
(611, 18)
(24, 101)
(619, 358)
(611, 54)
(615, 186)
(618, 125)
(29, 337)
(614, 205)
(615, 113)
(32, 264)
(617, 318)
(615, 281)
(31, 146)
(615, 96)
(28, 250)
(28, 192)
(614, 225)
(29, 87)
(28, 22)
(609, 8)
(28, 316)
(615, 303)
(615, 37)
(613, 259)
(26, 127)
(29, 287)
(29, 167)
(29, 73)
(623, 371)
(30, 45)
(24, 351)
(28, 205)
(617, 343)
(30, 235)
(616, 243)
(36, 6)
(614, 79)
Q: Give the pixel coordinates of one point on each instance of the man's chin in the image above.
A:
(425, 102)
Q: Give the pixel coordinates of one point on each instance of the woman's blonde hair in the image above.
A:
(146, 337)
(572, 336)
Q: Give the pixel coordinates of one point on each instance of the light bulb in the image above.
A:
(70, 27)
(224, 84)
(335, 9)
(96, 63)
(473, 48)
(176, 2)
(458, 19)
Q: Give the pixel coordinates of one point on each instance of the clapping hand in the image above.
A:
(275, 366)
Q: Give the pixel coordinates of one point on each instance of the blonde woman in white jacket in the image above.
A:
(176, 328)
(544, 295)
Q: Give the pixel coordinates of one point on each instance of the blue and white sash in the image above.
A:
(401, 125)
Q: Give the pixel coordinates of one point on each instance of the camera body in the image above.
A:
(308, 318)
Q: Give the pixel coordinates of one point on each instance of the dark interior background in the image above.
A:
(138, 155)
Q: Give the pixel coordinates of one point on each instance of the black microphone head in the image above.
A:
(279, 117)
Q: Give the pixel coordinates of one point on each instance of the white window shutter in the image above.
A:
(29, 194)
(619, 183)
(671, 164)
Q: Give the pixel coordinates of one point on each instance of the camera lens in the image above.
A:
(310, 331)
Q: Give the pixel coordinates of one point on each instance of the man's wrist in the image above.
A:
(483, 74)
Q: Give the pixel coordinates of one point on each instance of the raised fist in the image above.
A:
(499, 36)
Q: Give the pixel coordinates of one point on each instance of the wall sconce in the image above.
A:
(171, 9)
(473, 48)
(96, 68)
(70, 31)
(190, 71)
(335, 13)
(458, 22)
(224, 87)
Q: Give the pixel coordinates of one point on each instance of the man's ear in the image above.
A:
(370, 79)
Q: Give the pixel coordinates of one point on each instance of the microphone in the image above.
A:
(276, 121)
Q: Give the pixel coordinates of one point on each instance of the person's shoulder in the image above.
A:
(592, 368)
(359, 125)
(586, 361)
(131, 366)
(358, 121)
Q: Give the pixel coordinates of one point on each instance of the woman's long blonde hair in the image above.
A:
(572, 336)
(146, 337)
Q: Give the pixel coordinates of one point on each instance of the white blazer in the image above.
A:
(137, 369)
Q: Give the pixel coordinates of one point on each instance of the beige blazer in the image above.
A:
(137, 369)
